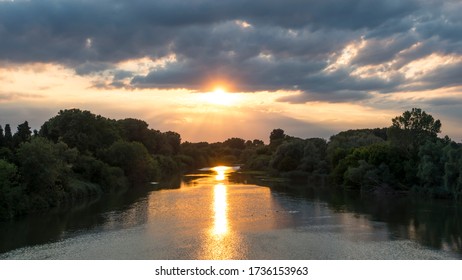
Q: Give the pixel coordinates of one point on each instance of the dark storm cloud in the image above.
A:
(255, 44)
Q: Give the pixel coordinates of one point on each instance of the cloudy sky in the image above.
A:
(312, 68)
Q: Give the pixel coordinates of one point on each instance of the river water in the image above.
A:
(221, 214)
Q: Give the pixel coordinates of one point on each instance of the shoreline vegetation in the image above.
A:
(78, 155)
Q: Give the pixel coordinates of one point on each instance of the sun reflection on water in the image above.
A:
(221, 172)
(221, 241)
(220, 206)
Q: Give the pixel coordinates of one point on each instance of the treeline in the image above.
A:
(77, 154)
(408, 157)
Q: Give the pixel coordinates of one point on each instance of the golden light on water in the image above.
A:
(220, 177)
(221, 168)
(221, 172)
(220, 211)
(220, 207)
(221, 240)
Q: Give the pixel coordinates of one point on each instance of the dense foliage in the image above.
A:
(77, 154)
(408, 157)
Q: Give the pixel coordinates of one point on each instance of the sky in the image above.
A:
(211, 70)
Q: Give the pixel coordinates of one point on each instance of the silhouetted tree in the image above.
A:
(257, 142)
(81, 129)
(23, 134)
(277, 136)
(412, 129)
(235, 143)
(418, 121)
(8, 136)
(173, 139)
(2, 137)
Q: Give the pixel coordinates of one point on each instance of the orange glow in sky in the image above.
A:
(198, 116)
(220, 97)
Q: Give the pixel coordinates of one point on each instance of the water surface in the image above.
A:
(220, 214)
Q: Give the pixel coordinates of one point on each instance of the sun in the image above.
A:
(219, 96)
(219, 90)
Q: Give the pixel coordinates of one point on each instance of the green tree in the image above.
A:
(412, 129)
(133, 129)
(199, 152)
(109, 178)
(45, 169)
(372, 166)
(258, 162)
(134, 159)
(277, 136)
(173, 140)
(288, 155)
(343, 143)
(314, 156)
(418, 121)
(81, 129)
(453, 169)
(137, 130)
(430, 170)
(361, 176)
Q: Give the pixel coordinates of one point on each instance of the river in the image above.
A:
(219, 213)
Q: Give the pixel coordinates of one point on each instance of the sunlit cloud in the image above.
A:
(243, 23)
(345, 56)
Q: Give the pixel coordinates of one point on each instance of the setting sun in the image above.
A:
(219, 96)
(219, 90)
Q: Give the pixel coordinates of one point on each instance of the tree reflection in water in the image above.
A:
(431, 222)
